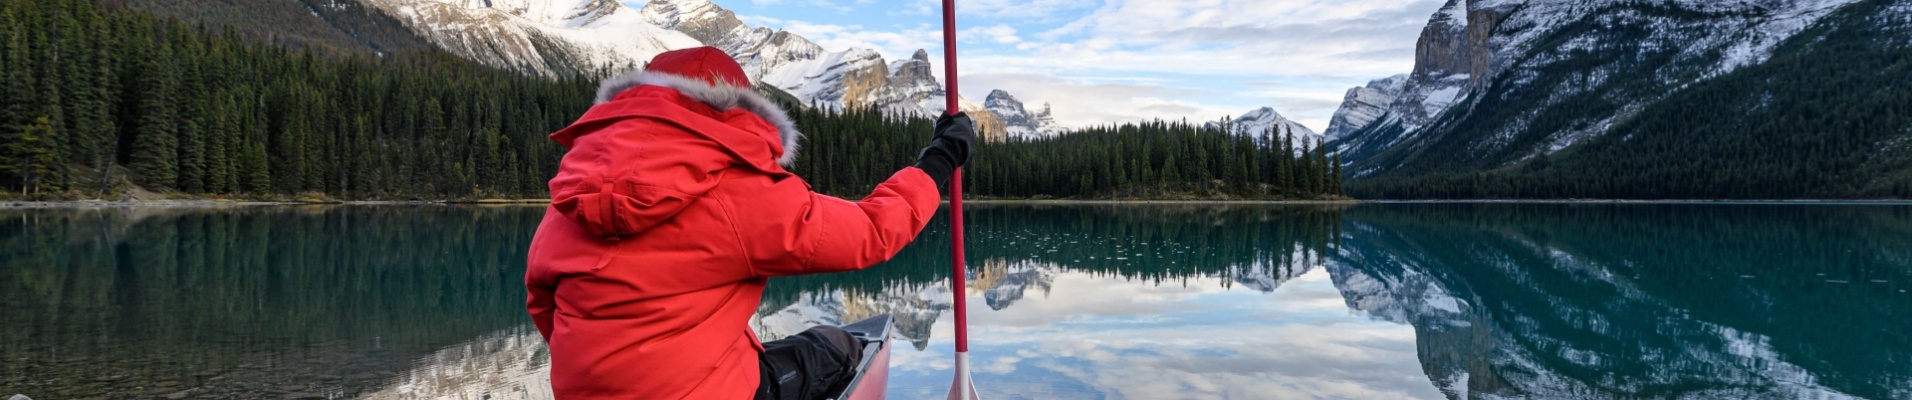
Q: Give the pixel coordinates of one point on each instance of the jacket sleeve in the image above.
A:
(821, 234)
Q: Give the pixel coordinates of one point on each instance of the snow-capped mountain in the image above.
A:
(850, 78)
(1364, 105)
(1497, 82)
(1264, 122)
(539, 36)
(1018, 121)
(553, 37)
(759, 50)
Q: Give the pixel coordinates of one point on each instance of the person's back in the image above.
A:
(668, 214)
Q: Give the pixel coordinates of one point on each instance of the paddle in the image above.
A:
(963, 388)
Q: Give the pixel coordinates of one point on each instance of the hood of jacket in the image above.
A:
(656, 142)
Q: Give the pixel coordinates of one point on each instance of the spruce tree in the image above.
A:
(154, 149)
(30, 160)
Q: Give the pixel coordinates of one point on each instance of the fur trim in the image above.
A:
(723, 98)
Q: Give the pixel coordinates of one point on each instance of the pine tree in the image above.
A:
(48, 100)
(257, 171)
(30, 158)
(155, 144)
(218, 164)
(1337, 174)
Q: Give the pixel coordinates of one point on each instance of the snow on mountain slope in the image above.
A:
(759, 50)
(1535, 59)
(850, 78)
(553, 37)
(1364, 105)
(1018, 121)
(539, 36)
(914, 307)
(1264, 122)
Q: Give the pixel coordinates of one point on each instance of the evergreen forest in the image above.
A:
(848, 152)
(110, 102)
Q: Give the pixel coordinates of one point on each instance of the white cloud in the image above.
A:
(1203, 55)
(1084, 102)
(893, 44)
(1021, 10)
(1301, 343)
(999, 34)
(1153, 57)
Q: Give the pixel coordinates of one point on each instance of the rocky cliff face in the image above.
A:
(1364, 105)
(1454, 55)
(1497, 82)
(1018, 121)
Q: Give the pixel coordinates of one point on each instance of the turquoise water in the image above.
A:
(1119, 302)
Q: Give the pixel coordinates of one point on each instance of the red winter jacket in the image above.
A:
(667, 216)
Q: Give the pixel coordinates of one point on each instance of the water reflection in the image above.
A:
(1376, 301)
(1552, 301)
(282, 302)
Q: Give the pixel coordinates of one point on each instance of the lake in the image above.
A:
(1487, 300)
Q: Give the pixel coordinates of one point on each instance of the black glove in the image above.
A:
(949, 149)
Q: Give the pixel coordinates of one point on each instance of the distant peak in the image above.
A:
(671, 13)
(686, 4)
(921, 55)
(1001, 100)
(1261, 113)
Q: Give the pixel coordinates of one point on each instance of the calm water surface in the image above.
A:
(1091, 302)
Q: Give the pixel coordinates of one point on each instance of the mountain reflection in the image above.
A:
(1594, 301)
(1121, 301)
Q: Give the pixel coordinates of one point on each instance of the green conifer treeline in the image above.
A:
(99, 97)
(846, 153)
(211, 112)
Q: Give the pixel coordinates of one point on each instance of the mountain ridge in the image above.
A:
(544, 37)
(1532, 81)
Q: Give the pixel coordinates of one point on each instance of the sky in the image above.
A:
(1114, 61)
(1096, 337)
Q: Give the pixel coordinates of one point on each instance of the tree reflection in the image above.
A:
(1645, 300)
(251, 301)
(1506, 300)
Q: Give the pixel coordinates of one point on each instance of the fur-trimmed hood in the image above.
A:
(722, 98)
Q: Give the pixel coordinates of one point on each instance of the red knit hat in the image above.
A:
(707, 64)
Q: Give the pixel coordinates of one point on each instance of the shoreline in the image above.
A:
(1046, 202)
(259, 203)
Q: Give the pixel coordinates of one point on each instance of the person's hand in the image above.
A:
(950, 149)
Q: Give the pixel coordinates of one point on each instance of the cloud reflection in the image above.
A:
(1121, 339)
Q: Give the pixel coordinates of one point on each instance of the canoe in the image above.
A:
(873, 374)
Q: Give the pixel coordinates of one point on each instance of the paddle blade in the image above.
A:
(963, 388)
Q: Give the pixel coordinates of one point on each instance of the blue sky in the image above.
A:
(1110, 61)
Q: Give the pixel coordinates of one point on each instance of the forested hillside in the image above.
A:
(212, 112)
(337, 25)
(105, 102)
(1826, 117)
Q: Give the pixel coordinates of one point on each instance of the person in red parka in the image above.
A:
(669, 213)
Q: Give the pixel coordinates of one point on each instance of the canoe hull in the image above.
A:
(873, 374)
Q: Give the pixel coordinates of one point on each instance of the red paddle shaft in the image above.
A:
(955, 185)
